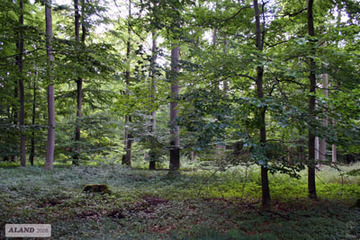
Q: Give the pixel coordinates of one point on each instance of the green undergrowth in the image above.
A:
(202, 204)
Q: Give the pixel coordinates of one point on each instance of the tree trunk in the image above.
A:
(322, 142)
(20, 48)
(152, 153)
(262, 111)
(50, 90)
(126, 159)
(174, 128)
(312, 100)
(79, 81)
(32, 150)
(334, 154)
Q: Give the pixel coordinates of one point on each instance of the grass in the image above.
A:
(195, 205)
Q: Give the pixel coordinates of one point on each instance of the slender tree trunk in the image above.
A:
(312, 101)
(15, 118)
(126, 159)
(260, 95)
(174, 128)
(79, 81)
(334, 154)
(33, 120)
(322, 142)
(152, 153)
(50, 90)
(20, 48)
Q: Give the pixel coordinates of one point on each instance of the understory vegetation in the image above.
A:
(200, 203)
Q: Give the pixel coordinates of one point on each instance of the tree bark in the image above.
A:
(322, 142)
(50, 90)
(262, 112)
(152, 153)
(334, 154)
(33, 120)
(79, 81)
(20, 48)
(312, 101)
(126, 159)
(174, 128)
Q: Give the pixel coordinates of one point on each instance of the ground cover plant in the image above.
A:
(197, 204)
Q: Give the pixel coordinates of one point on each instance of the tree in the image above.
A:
(79, 81)
(128, 139)
(174, 128)
(152, 153)
(19, 60)
(50, 148)
(262, 111)
(312, 85)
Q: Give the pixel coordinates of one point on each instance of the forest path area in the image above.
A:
(194, 205)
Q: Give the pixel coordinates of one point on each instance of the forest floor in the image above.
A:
(200, 204)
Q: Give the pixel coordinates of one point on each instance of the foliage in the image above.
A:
(197, 205)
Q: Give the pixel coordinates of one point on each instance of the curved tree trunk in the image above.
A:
(50, 148)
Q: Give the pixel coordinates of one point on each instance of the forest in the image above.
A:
(181, 119)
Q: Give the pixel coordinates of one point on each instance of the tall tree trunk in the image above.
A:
(262, 112)
(322, 142)
(174, 128)
(152, 153)
(15, 118)
(50, 148)
(312, 101)
(79, 81)
(126, 159)
(20, 48)
(32, 150)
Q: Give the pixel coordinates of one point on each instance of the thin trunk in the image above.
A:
(260, 95)
(312, 100)
(126, 159)
(15, 118)
(79, 81)
(33, 120)
(334, 156)
(50, 91)
(322, 142)
(152, 153)
(20, 48)
(174, 128)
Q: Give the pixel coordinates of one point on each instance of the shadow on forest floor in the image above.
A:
(195, 205)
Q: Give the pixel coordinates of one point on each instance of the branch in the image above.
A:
(233, 16)
(294, 14)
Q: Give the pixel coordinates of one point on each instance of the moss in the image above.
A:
(97, 188)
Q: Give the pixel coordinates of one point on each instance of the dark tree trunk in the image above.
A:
(126, 159)
(152, 153)
(174, 128)
(262, 111)
(20, 48)
(79, 81)
(33, 120)
(50, 148)
(15, 116)
(312, 79)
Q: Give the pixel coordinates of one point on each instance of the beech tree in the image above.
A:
(50, 148)
(312, 85)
